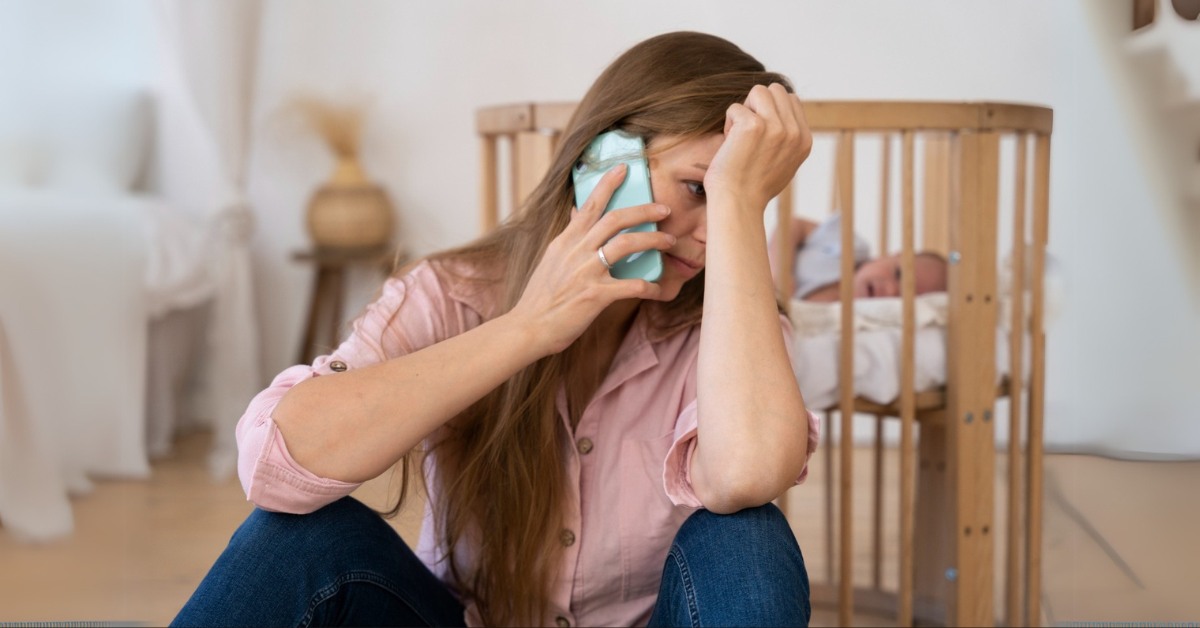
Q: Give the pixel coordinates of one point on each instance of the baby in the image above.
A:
(817, 265)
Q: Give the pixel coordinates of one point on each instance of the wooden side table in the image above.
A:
(325, 304)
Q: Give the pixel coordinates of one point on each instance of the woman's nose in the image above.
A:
(700, 231)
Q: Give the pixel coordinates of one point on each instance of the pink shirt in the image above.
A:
(629, 466)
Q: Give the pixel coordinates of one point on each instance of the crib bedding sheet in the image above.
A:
(80, 279)
(816, 348)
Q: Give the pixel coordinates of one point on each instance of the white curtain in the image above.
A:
(209, 52)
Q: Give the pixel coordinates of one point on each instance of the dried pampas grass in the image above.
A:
(339, 124)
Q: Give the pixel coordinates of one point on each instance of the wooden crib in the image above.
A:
(946, 531)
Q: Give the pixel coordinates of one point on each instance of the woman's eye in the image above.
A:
(695, 187)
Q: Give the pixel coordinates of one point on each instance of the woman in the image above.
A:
(570, 421)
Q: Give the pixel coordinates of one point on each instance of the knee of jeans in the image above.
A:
(312, 533)
(762, 531)
(746, 544)
(763, 520)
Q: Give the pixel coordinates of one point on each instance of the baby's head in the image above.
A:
(881, 277)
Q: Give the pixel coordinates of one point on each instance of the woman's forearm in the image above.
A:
(752, 424)
(354, 425)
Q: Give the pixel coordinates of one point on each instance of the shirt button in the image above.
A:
(337, 366)
(567, 537)
(562, 622)
(584, 445)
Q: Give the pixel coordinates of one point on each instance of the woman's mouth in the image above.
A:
(686, 267)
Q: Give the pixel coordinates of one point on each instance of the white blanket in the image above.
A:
(877, 335)
(877, 341)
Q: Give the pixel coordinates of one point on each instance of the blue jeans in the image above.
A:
(344, 565)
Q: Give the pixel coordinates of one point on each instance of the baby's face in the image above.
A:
(881, 277)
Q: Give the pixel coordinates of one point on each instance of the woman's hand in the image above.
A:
(766, 140)
(570, 285)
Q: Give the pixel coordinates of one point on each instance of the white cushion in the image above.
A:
(85, 140)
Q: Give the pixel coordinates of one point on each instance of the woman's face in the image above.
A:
(677, 180)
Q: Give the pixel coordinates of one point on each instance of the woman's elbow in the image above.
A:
(727, 497)
(727, 482)
(739, 486)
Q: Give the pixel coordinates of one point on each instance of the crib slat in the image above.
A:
(908, 395)
(514, 181)
(1037, 380)
(877, 505)
(784, 281)
(1016, 381)
(783, 278)
(885, 169)
(489, 206)
(970, 382)
(555, 140)
(845, 178)
(531, 159)
(877, 509)
(934, 216)
(830, 505)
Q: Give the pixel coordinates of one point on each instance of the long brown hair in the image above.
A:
(500, 480)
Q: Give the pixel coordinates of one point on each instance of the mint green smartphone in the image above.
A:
(603, 154)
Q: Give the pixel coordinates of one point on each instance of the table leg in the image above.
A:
(335, 281)
(305, 355)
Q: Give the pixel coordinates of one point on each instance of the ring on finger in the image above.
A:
(603, 259)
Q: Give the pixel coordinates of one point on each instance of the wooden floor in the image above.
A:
(1120, 542)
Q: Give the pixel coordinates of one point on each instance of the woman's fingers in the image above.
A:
(593, 207)
(740, 117)
(790, 110)
(783, 101)
(620, 289)
(618, 220)
(766, 140)
(635, 241)
(806, 138)
(761, 101)
(782, 116)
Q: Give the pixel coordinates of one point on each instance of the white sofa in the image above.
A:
(92, 267)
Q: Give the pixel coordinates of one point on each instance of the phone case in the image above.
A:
(603, 154)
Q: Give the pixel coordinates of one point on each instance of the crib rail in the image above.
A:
(949, 187)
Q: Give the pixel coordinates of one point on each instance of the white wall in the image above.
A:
(1127, 351)
(1124, 355)
(429, 65)
(45, 41)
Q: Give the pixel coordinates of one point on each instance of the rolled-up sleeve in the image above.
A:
(677, 471)
(411, 313)
(677, 476)
(271, 478)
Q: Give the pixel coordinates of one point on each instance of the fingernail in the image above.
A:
(670, 238)
(663, 210)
